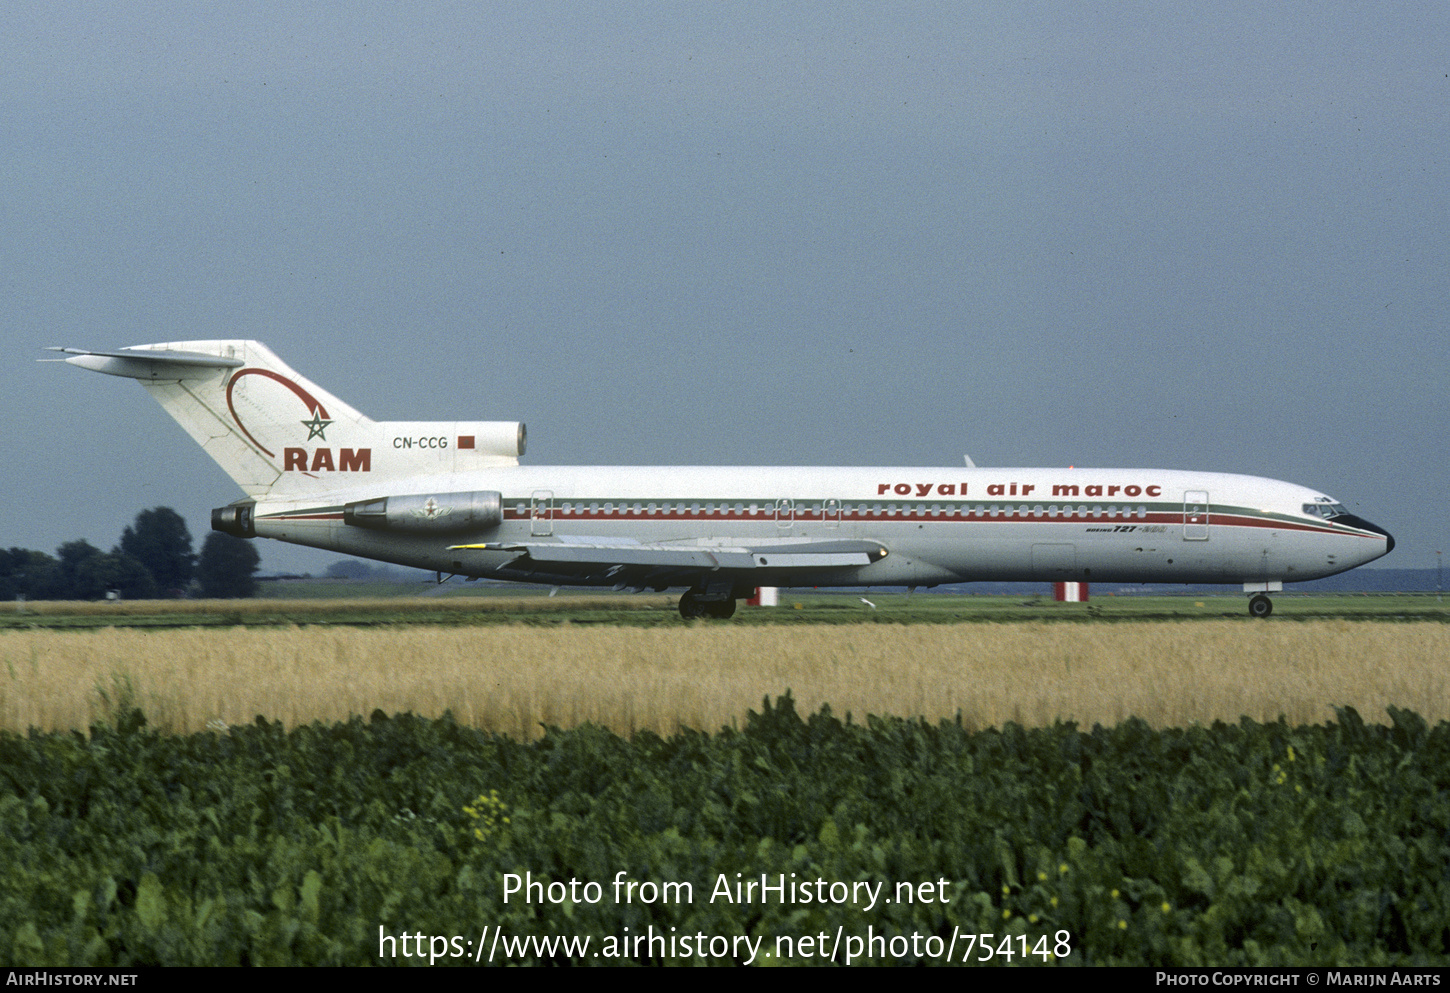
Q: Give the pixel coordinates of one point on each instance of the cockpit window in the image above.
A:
(1325, 508)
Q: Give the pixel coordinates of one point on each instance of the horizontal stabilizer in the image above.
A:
(139, 363)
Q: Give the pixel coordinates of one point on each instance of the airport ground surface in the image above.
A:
(370, 604)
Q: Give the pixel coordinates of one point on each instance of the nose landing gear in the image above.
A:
(1260, 606)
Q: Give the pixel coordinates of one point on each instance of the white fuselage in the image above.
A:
(940, 525)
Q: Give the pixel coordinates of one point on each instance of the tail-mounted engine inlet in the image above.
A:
(235, 519)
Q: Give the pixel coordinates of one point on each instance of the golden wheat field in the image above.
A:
(516, 679)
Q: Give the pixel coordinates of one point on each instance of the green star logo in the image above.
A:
(316, 427)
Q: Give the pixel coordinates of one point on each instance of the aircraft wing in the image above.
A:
(643, 563)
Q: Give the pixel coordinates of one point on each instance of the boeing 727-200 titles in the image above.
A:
(451, 496)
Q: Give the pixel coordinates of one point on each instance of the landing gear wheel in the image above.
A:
(694, 606)
(1260, 606)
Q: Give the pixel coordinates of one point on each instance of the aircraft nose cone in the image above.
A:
(1364, 525)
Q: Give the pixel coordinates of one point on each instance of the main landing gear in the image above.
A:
(1260, 606)
(695, 604)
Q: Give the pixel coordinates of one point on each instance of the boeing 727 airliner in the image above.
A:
(451, 496)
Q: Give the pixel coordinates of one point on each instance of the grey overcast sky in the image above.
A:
(1189, 235)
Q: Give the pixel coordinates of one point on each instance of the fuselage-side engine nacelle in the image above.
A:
(428, 513)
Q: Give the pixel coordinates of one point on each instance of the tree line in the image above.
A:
(153, 559)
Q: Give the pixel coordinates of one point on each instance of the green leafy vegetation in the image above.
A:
(1229, 844)
(153, 559)
(227, 567)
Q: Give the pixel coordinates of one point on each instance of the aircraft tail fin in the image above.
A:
(278, 434)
